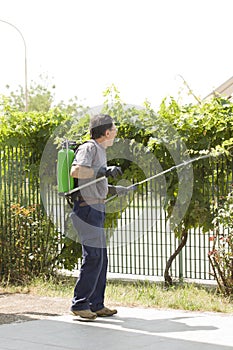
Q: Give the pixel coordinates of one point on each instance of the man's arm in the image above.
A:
(81, 172)
(84, 172)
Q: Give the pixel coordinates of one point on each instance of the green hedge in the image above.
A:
(203, 128)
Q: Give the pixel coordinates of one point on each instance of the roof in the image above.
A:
(225, 89)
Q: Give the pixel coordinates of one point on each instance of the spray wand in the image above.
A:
(132, 187)
(135, 185)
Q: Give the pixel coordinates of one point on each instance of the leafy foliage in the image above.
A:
(29, 243)
(172, 134)
(193, 130)
(41, 98)
(28, 236)
(221, 255)
(34, 129)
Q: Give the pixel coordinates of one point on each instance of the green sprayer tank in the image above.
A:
(64, 161)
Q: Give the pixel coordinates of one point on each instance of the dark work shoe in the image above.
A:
(106, 312)
(87, 314)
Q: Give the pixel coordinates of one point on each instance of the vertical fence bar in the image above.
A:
(2, 236)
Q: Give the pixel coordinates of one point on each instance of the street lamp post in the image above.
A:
(25, 61)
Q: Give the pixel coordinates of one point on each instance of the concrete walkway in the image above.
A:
(131, 328)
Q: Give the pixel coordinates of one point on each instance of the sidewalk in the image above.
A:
(131, 328)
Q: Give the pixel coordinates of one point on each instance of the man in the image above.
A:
(89, 214)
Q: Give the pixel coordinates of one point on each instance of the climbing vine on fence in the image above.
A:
(190, 130)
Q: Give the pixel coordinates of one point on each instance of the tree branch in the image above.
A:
(167, 277)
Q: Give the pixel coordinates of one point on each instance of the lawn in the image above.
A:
(185, 296)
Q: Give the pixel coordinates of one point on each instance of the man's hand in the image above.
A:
(121, 190)
(112, 171)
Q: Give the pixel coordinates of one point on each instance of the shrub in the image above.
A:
(221, 255)
(29, 243)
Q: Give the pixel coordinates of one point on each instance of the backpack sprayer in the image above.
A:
(66, 182)
(64, 161)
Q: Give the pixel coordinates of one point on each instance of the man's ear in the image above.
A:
(107, 133)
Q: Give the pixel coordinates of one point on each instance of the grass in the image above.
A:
(185, 296)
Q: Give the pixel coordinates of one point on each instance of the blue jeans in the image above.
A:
(90, 286)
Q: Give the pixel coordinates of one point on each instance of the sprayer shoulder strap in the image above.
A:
(88, 141)
(76, 182)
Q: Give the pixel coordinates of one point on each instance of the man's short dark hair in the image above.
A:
(99, 124)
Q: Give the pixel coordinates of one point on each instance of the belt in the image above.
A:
(90, 201)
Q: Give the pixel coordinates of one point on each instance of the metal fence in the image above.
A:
(25, 231)
(143, 241)
(140, 241)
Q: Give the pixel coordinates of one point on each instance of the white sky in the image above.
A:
(139, 45)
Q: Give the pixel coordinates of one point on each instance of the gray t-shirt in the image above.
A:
(92, 154)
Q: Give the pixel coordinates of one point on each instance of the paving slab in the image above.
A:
(131, 328)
